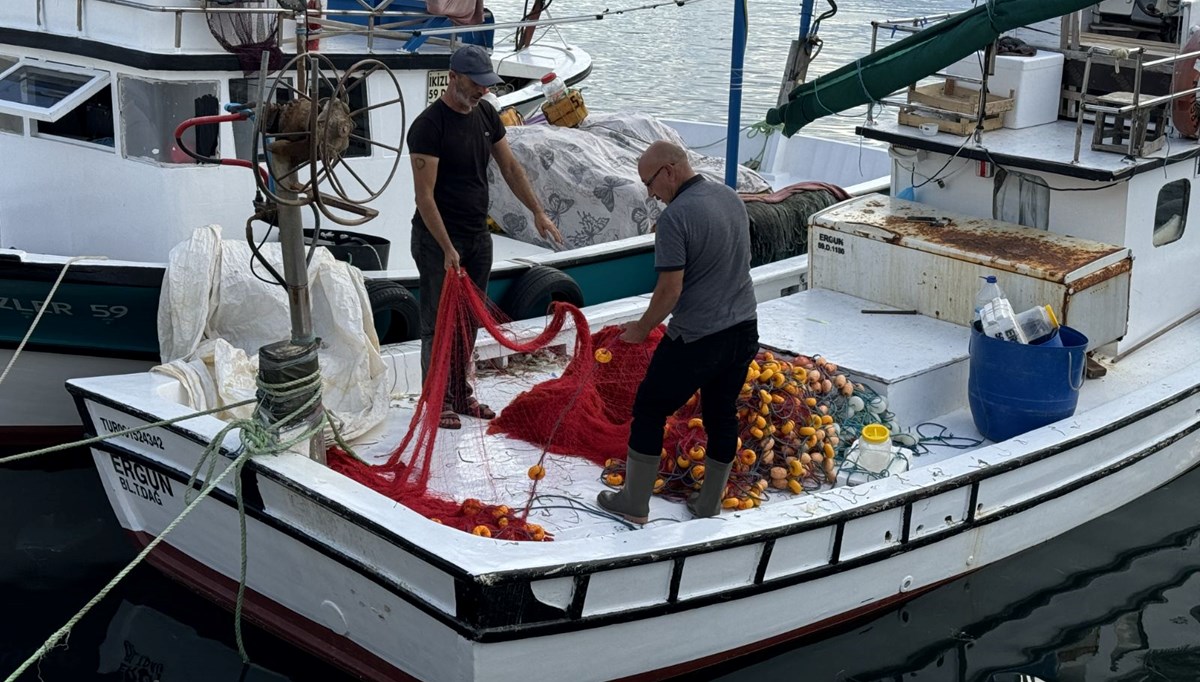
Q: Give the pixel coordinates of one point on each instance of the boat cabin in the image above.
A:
(1093, 138)
(91, 93)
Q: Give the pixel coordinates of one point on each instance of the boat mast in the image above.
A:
(799, 55)
(736, 59)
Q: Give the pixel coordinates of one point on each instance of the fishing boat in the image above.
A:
(1098, 230)
(95, 90)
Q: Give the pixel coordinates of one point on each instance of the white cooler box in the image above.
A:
(1036, 83)
(898, 253)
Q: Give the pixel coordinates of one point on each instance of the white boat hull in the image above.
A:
(371, 594)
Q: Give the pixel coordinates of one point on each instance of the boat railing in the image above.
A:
(916, 25)
(1138, 109)
(907, 25)
(380, 22)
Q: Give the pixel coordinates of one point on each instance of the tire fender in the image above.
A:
(532, 293)
(395, 310)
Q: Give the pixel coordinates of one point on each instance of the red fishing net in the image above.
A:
(787, 410)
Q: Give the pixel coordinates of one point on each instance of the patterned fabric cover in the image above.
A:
(587, 179)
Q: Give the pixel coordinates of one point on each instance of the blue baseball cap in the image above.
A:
(473, 61)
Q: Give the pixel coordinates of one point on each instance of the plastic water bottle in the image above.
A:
(987, 293)
(875, 448)
(553, 88)
(1037, 323)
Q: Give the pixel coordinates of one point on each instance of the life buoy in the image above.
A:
(1184, 116)
(532, 293)
(395, 311)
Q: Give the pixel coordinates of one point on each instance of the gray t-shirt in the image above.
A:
(705, 232)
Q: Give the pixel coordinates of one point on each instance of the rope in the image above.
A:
(42, 311)
(62, 632)
(123, 432)
(257, 439)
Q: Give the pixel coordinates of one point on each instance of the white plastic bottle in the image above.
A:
(987, 293)
(553, 88)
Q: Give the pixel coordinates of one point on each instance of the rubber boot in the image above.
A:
(633, 501)
(708, 501)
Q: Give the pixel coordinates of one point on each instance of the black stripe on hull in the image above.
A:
(500, 606)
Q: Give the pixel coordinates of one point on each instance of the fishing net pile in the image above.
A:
(796, 415)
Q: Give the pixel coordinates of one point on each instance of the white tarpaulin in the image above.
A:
(587, 179)
(215, 313)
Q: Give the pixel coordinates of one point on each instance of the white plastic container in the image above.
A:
(999, 321)
(1037, 323)
(874, 448)
(553, 88)
(1035, 81)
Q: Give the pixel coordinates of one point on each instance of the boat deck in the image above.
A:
(473, 463)
(1049, 147)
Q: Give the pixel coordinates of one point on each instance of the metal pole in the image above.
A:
(1138, 124)
(988, 52)
(736, 60)
(806, 12)
(295, 269)
(1083, 88)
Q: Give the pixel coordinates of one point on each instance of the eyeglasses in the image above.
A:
(652, 177)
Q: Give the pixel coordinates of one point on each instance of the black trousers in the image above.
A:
(716, 366)
(475, 255)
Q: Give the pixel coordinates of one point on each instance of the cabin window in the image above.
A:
(8, 122)
(66, 99)
(151, 110)
(1171, 211)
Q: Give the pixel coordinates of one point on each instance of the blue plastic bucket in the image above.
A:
(1013, 388)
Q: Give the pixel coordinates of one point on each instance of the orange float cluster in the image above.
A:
(491, 521)
(789, 440)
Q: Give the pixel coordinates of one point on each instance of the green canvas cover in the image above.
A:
(905, 62)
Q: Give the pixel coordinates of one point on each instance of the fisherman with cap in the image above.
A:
(450, 145)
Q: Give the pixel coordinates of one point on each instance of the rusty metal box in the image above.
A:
(917, 257)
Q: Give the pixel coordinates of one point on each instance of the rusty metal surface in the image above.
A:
(1001, 245)
(1102, 275)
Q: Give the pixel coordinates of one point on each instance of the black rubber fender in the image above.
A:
(395, 310)
(530, 296)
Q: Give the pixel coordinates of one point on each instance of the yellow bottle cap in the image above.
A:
(876, 433)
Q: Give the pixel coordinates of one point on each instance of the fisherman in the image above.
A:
(702, 255)
(450, 144)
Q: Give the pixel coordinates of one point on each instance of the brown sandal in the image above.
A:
(478, 410)
(449, 420)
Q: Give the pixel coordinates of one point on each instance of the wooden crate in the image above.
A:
(955, 126)
(949, 97)
(958, 108)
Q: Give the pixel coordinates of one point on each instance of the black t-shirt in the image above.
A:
(462, 144)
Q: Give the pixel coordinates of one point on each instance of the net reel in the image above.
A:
(305, 136)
